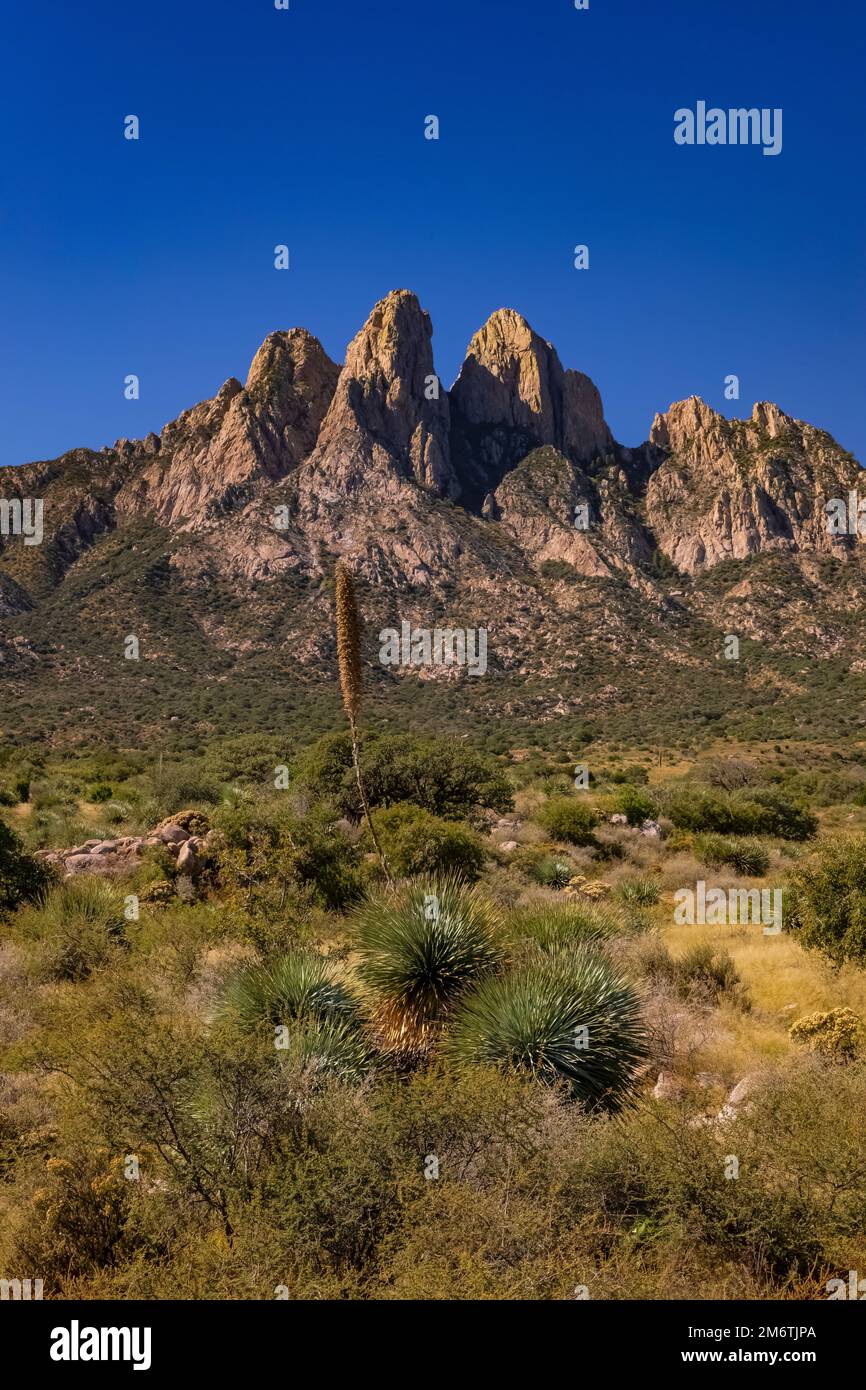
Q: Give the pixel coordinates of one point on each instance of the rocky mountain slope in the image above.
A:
(606, 577)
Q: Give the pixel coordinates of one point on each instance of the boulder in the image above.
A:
(172, 834)
(652, 829)
(189, 857)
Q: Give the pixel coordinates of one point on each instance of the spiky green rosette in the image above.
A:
(567, 1017)
(419, 950)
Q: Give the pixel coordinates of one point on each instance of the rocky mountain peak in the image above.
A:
(511, 377)
(512, 395)
(388, 407)
(683, 420)
(212, 455)
(720, 493)
(770, 419)
(290, 365)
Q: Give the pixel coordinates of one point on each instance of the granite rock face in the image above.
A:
(513, 396)
(728, 489)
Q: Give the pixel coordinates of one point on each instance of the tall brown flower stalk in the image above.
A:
(349, 660)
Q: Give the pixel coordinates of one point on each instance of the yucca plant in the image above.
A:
(552, 926)
(551, 873)
(419, 950)
(330, 1047)
(349, 662)
(295, 986)
(303, 993)
(641, 891)
(569, 1017)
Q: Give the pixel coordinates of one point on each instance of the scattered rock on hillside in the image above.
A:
(123, 855)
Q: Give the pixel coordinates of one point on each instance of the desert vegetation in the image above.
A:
(490, 1066)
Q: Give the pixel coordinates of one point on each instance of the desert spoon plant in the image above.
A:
(349, 659)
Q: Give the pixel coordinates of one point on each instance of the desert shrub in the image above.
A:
(100, 793)
(178, 786)
(325, 861)
(801, 1205)
(22, 878)
(755, 813)
(319, 1048)
(635, 775)
(708, 974)
(747, 857)
(419, 949)
(703, 975)
(417, 842)
(78, 1219)
(246, 757)
(554, 926)
(267, 859)
(158, 892)
(637, 806)
(566, 818)
(76, 928)
(567, 1018)
(641, 891)
(731, 773)
(838, 1034)
(443, 777)
(826, 904)
(303, 993)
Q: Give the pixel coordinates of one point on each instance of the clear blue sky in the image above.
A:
(261, 126)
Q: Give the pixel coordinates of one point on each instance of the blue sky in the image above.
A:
(306, 127)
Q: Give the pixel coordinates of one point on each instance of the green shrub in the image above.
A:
(826, 905)
(703, 974)
(566, 818)
(552, 926)
(246, 757)
(420, 948)
(443, 777)
(303, 993)
(22, 878)
(747, 857)
(297, 985)
(709, 974)
(266, 857)
(754, 813)
(101, 792)
(637, 806)
(566, 1018)
(76, 928)
(549, 872)
(635, 775)
(417, 842)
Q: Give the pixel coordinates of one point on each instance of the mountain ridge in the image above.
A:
(505, 502)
